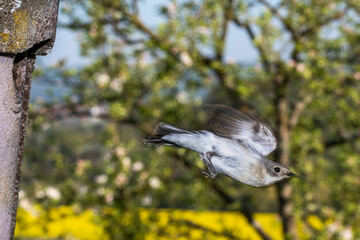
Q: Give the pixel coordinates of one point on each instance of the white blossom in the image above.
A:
(102, 79)
(144, 59)
(300, 67)
(22, 194)
(333, 227)
(121, 179)
(120, 151)
(357, 75)
(101, 179)
(45, 126)
(291, 63)
(154, 182)
(146, 201)
(126, 163)
(332, 5)
(95, 111)
(117, 84)
(137, 166)
(83, 190)
(100, 191)
(28, 207)
(25, 204)
(171, 9)
(346, 234)
(182, 97)
(186, 59)
(40, 193)
(53, 193)
(80, 166)
(204, 30)
(109, 198)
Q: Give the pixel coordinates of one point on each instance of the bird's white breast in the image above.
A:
(230, 158)
(236, 161)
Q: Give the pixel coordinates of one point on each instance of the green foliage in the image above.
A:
(141, 73)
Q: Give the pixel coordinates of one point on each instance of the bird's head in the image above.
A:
(275, 172)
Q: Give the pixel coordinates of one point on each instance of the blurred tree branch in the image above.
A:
(251, 33)
(210, 62)
(286, 23)
(342, 139)
(205, 229)
(298, 109)
(326, 21)
(219, 47)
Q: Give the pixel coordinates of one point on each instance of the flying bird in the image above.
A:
(237, 147)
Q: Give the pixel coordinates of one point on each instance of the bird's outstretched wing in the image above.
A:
(249, 131)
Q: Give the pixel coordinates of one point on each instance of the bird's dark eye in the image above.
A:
(277, 169)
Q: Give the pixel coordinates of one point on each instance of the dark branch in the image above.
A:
(205, 229)
(162, 43)
(121, 32)
(284, 21)
(60, 112)
(209, 62)
(159, 41)
(252, 36)
(314, 29)
(342, 139)
(219, 49)
(295, 36)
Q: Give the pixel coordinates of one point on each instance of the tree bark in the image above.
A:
(15, 79)
(27, 28)
(10, 117)
(282, 155)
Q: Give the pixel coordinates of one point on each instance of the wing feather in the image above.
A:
(244, 128)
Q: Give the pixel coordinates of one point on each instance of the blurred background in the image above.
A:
(118, 67)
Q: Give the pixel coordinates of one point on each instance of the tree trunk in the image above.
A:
(14, 105)
(27, 28)
(282, 155)
(10, 117)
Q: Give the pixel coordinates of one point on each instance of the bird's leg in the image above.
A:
(207, 160)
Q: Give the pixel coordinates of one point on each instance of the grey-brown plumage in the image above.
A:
(249, 131)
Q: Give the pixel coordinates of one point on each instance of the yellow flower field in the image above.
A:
(62, 222)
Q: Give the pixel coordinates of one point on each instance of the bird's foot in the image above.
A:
(211, 170)
(209, 174)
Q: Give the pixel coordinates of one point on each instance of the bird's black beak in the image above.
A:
(291, 174)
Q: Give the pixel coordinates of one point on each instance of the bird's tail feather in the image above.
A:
(162, 129)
